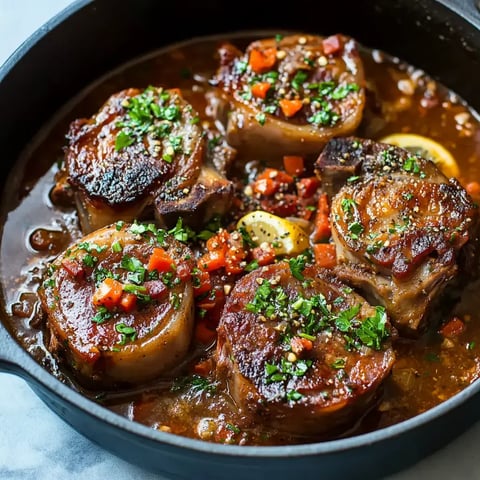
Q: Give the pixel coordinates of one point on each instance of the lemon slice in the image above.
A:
(427, 148)
(286, 237)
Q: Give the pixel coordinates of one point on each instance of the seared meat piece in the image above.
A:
(289, 96)
(119, 305)
(308, 357)
(140, 149)
(402, 230)
(207, 198)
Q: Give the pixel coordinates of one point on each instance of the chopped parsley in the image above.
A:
(285, 370)
(297, 265)
(196, 383)
(299, 79)
(127, 334)
(339, 363)
(253, 265)
(181, 232)
(89, 260)
(136, 269)
(355, 229)
(233, 428)
(246, 238)
(412, 165)
(309, 316)
(152, 111)
(261, 118)
(102, 315)
(268, 301)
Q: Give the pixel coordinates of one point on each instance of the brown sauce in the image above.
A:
(427, 371)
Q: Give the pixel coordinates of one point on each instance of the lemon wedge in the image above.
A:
(286, 237)
(427, 148)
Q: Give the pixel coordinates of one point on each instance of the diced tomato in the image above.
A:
(265, 186)
(290, 107)
(218, 241)
(212, 260)
(108, 293)
(264, 255)
(299, 344)
(322, 230)
(293, 164)
(325, 255)
(203, 334)
(307, 187)
(155, 288)
(453, 328)
(160, 261)
(233, 261)
(202, 282)
(473, 189)
(287, 206)
(261, 89)
(73, 268)
(184, 272)
(276, 175)
(331, 44)
(128, 302)
(261, 61)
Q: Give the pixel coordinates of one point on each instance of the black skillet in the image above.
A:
(90, 38)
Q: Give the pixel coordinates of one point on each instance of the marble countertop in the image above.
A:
(36, 444)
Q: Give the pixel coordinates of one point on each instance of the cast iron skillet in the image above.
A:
(90, 38)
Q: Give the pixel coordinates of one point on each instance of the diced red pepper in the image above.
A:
(473, 189)
(261, 61)
(73, 268)
(307, 187)
(264, 255)
(453, 328)
(290, 107)
(202, 282)
(325, 255)
(108, 293)
(287, 206)
(184, 272)
(234, 259)
(293, 164)
(160, 261)
(212, 261)
(322, 230)
(128, 302)
(155, 288)
(218, 241)
(276, 175)
(331, 45)
(261, 89)
(265, 186)
(299, 344)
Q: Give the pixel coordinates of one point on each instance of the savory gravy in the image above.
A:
(400, 99)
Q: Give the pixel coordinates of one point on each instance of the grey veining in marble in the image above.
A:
(35, 444)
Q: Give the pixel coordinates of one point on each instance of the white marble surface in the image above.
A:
(35, 444)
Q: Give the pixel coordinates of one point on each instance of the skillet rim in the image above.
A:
(24, 365)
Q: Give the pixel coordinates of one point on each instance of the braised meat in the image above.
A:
(289, 95)
(402, 230)
(143, 148)
(119, 304)
(306, 356)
